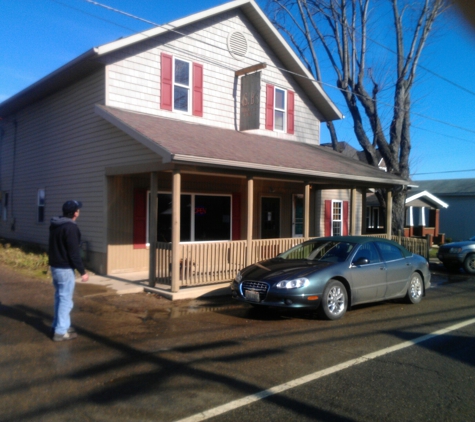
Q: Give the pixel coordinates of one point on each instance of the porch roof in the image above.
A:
(187, 143)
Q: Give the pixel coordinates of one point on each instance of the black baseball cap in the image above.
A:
(70, 207)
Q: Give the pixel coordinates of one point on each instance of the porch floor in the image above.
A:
(137, 282)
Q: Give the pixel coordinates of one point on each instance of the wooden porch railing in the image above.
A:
(215, 262)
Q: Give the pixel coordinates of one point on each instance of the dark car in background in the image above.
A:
(330, 274)
(458, 254)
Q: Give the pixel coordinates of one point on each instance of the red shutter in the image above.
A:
(269, 107)
(345, 218)
(236, 216)
(328, 217)
(197, 90)
(166, 82)
(140, 218)
(290, 111)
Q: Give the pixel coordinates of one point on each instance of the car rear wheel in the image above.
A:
(416, 289)
(469, 264)
(334, 300)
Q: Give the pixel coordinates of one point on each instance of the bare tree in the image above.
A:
(342, 29)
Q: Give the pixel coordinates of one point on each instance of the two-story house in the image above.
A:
(215, 118)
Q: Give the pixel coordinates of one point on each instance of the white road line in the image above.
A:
(319, 374)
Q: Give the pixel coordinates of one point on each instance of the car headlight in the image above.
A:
(238, 277)
(455, 250)
(293, 284)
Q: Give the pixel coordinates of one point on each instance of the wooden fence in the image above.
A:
(215, 262)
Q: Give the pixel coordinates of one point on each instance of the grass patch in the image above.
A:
(28, 259)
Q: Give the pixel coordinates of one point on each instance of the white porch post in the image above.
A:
(176, 196)
(250, 222)
(353, 212)
(389, 214)
(422, 216)
(152, 229)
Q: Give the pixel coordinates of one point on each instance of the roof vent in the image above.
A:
(237, 45)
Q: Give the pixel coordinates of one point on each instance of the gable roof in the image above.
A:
(449, 187)
(188, 143)
(90, 60)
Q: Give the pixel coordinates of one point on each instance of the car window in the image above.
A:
(368, 251)
(389, 252)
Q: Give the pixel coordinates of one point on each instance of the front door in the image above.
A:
(270, 218)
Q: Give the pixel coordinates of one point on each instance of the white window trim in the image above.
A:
(334, 201)
(284, 110)
(189, 87)
(192, 225)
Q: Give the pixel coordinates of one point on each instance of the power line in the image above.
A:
(444, 172)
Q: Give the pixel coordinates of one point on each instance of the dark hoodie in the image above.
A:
(64, 241)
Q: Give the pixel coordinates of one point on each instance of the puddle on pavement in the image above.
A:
(88, 290)
(178, 312)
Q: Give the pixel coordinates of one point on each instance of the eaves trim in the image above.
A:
(181, 158)
(428, 195)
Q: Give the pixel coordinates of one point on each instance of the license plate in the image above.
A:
(252, 295)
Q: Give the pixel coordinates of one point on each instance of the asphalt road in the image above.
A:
(141, 358)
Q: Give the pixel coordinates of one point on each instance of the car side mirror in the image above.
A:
(361, 261)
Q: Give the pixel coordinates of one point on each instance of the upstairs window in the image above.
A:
(181, 85)
(279, 109)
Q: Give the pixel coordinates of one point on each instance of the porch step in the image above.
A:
(129, 283)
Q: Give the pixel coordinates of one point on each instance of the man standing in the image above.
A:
(64, 257)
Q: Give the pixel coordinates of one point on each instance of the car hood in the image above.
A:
(458, 244)
(275, 270)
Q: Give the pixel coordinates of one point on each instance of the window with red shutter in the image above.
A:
(181, 85)
(280, 109)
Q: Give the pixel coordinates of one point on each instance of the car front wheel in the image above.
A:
(415, 290)
(469, 264)
(334, 300)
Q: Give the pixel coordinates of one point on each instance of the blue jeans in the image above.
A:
(63, 282)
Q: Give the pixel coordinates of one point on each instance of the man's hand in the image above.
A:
(85, 277)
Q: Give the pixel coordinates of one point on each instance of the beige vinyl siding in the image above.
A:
(133, 76)
(62, 146)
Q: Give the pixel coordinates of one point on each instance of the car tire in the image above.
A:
(334, 300)
(415, 290)
(469, 264)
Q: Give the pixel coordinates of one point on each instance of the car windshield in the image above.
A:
(330, 251)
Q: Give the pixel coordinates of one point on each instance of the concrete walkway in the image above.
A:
(137, 282)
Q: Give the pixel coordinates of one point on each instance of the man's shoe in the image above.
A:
(62, 337)
(70, 330)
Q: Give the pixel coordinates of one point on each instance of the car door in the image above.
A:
(398, 269)
(368, 280)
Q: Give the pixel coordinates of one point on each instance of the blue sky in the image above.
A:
(39, 36)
